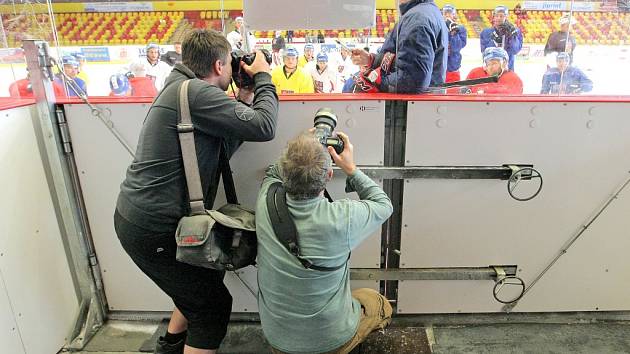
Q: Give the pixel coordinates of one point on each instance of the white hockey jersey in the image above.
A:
(345, 69)
(236, 40)
(158, 72)
(324, 81)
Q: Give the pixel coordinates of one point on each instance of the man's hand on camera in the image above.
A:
(345, 161)
(259, 65)
(361, 57)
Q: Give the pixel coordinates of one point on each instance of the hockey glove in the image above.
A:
(370, 80)
(497, 38)
(452, 26)
(362, 84)
(507, 29)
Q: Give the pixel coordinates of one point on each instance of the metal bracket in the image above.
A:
(455, 273)
(444, 172)
(92, 321)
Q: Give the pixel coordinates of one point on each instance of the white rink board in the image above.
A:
(581, 150)
(102, 163)
(38, 302)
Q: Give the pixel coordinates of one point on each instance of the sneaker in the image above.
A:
(163, 347)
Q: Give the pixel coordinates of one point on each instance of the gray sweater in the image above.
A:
(153, 194)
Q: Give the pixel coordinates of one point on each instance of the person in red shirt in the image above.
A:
(22, 89)
(141, 85)
(495, 61)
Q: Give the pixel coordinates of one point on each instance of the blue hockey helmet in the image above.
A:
(448, 8)
(563, 56)
(322, 57)
(291, 52)
(69, 60)
(119, 84)
(495, 53)
(78, 56)
(501, 9)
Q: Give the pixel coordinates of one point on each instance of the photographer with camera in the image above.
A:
(457, 38)
(153, 197)
(305, 301)
(502, 34)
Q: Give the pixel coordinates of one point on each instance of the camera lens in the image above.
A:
(325, 122)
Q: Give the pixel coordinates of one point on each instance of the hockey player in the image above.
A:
(324, 77)
(141, 85)
(289, 78)
(457, 37)
(502, 34)
(495, 63)
(155, 69)
(419, 42)
(23, 89)
(562, 41)
(70, 68)
(81, 73)
(236, 37)
(565, 79)
(345, 67)
(119, 85)
(309, 55)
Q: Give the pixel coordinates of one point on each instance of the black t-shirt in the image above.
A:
(171, 58)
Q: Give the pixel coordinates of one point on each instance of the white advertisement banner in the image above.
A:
(118, 6)
(308, 14)
(560, 6)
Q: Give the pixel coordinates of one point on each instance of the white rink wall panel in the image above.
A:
(38, 302)
(9, 330)
(581, 150)
(102, 163)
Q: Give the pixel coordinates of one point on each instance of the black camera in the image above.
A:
(240, 77)
(325, 122)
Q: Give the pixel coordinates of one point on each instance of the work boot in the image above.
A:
(163, 347)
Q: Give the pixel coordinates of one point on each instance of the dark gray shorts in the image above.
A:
(199, 293)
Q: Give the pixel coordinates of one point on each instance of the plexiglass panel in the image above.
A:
(103, 46)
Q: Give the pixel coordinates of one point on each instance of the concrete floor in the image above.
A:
(539, 338)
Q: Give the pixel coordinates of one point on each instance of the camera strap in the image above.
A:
(185, 130)
(284, 226)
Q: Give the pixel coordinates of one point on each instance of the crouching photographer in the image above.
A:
(154, 197)
(304, 242)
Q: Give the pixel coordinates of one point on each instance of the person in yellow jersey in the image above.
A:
(289, 78)
(81, 71)
(309, 55)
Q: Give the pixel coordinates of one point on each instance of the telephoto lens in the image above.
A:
(325, 122)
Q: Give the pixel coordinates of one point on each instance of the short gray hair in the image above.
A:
(305, 164)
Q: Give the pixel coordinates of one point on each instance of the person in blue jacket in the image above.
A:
(502, 34)
(419, 43)
(457, 37)
(565, 79)
(70, 68)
